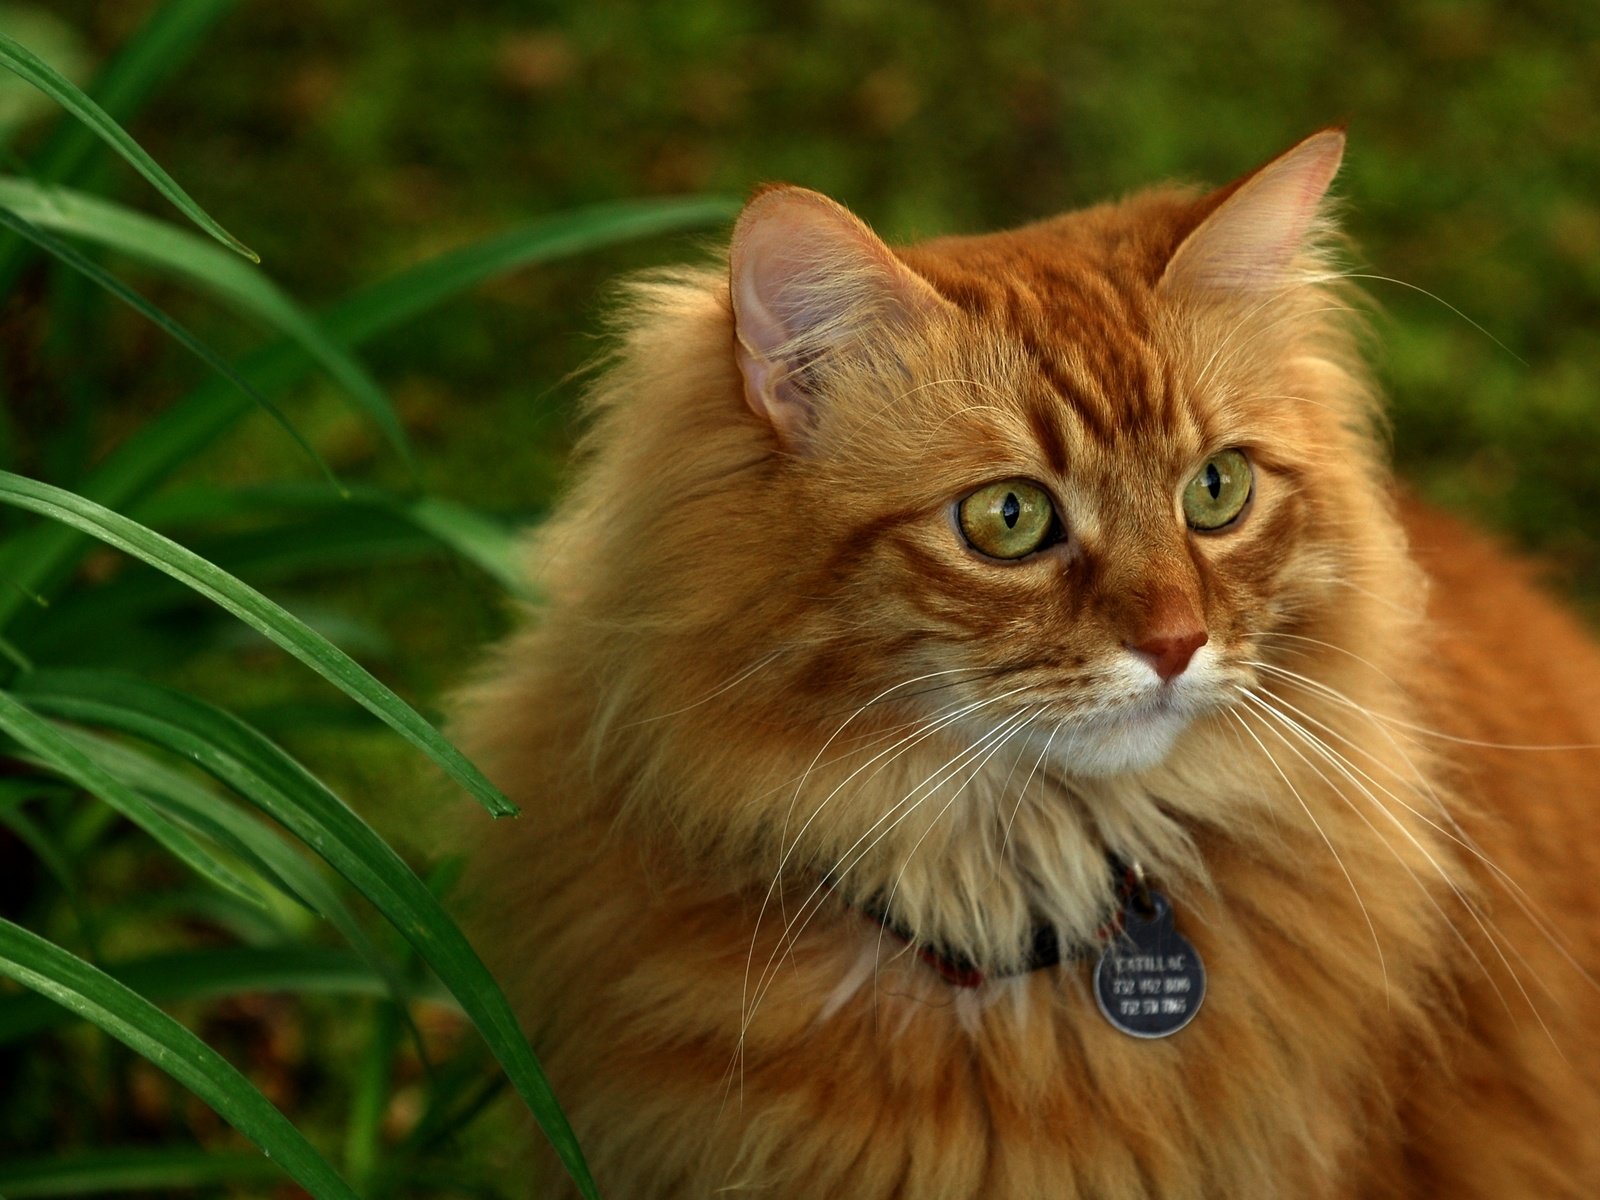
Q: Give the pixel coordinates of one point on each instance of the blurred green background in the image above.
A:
(345, 139)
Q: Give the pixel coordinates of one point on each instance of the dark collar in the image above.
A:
(1045, 950)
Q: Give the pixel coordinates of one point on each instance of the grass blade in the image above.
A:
(263, 848)
(91, 270)
(374, 1076)
(487, 540)
(221, 744)
(205, 974)
(35, 564)
(172, 33)
(93, 995)
(430, 283)
(475, 536)
(44, 740)
(261, 614)
(21, 60)
(168, 248)
(110, 1172)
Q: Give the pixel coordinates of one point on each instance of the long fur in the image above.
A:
(757, 664)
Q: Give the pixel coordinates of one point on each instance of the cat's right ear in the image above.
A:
(1257, 226)
(808, 281)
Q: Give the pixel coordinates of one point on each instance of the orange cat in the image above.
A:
(992, 732)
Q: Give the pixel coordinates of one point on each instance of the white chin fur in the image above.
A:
(1144, 736)
(1135, 743)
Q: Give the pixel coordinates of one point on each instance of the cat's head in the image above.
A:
(1036, 499)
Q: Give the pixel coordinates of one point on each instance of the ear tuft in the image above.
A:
(1260, 223)
(809, 280)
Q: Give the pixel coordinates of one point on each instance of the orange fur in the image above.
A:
(758, 607)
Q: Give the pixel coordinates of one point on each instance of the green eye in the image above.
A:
(1008, 519)
(1217, 493)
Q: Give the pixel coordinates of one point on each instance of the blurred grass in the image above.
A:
(345, 139)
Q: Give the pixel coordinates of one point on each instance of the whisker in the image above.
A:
(1432, 296)
(814, 900)
(904, 743)
(706, 699)
(1518, 894)
(1334, 760)
(1029, 717)
(1335, 694)
(1383, 966)
(1472, 910)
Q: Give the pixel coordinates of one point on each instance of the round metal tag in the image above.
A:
(1149, 981)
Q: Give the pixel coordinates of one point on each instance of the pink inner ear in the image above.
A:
(1250, 242)
(807, 279)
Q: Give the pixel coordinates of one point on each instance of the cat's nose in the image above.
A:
(1169, 634)
(1169, 653)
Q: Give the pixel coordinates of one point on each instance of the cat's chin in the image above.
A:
(1122, 745)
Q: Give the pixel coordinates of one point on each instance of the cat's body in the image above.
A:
(772, 655)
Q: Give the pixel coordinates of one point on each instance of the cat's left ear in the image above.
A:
(1258, 225)
(809, 281)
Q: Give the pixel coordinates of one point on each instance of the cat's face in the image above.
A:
(1059, 483)
(876, 537)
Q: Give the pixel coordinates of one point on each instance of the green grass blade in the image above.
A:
(35, 564)
(171, 34)
(341, 541)
(477, 537)
(547, 239)
(263, 848)
(374, 1075)
(92, 270)
(44, 740)
(210, 973)
(261, 614)
(170, 249)
(112, 1172)
(486, 540)
(93, 995)
(195, 806)
(220, 743)
(21, 60)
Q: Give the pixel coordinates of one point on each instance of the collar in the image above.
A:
(1045, 948)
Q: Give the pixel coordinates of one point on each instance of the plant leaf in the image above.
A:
(143, 1169)
(262, 847)
(91, 270)
(47, 79)
(49, 970)
(48, 743)
(261, 614)
(202, 974)
(167, 38)
(36, 562)
(168, 248)
(239, 756)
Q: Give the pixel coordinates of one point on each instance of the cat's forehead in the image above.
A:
(1067, 276)
(1061, 337)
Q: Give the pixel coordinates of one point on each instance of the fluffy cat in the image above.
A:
(906, 596)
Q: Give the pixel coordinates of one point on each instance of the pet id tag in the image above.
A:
(1149, 981)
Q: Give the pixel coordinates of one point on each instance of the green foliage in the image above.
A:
(95, 760)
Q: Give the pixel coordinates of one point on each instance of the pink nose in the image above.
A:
(1169, 650)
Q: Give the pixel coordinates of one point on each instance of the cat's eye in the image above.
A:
(1218, 492)
(1009, 519)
